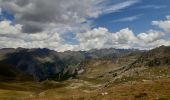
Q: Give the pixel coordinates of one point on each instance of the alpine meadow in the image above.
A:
(84, 49)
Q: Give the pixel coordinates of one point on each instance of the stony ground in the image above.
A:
(148, 84)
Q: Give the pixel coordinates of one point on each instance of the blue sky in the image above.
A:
(140, 14)
(146, 11)
(83, 25)
(6, 16)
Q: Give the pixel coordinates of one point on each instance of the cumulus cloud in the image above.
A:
(11, 36)
(95, 38)
(163, 24)
(125, 38)
(40, 15)
(47, 20)
(150, 36)
(36, 15)
(7, 28)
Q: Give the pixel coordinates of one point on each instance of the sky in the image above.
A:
(84, 24)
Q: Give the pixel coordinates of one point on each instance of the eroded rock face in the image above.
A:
(40, 63)
(157, 57)
(44, 64)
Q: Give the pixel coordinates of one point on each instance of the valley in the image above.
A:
(84, 49)
(131, 75)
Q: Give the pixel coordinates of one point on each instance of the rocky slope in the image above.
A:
(9, 73)
(127, 77)
(44, 64)
(127, 65)
(156, 57)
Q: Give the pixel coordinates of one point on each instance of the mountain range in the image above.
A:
(42, 64)
(84, 75)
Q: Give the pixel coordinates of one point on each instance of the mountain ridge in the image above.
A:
(130, 75)
(45, 64)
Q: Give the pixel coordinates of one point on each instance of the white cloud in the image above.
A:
(150, 36)
(125, 38)
(152, 7)
(168, 17)
(151, 45)
(163, 24)
(46, 20)
(7, 28)
(11, 36)
(120, 6)
(95, 38)
(125, 19)
(37, 15)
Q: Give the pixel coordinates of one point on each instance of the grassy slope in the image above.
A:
(101, 71)
(149, 84)
(146, 90)
(97, 83)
